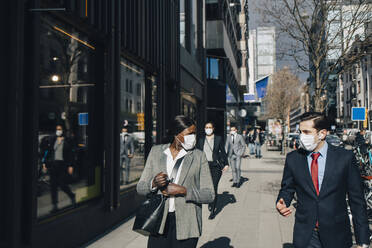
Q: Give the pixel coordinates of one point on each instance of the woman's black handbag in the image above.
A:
(150, 215)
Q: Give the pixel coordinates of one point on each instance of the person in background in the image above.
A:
(326, 180)
(58, 161)
(126, 154)
(191, 186)
(360, 141)
(235, 147)
(250, 142)
(214, 149)
(258, 142)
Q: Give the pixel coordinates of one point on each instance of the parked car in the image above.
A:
(334, 140)
(290, 137)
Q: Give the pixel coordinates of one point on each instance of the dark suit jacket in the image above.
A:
(341, 179)
(219, 152)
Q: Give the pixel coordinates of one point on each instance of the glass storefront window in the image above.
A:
(154, 100)
(132, 123)
(182, 23)
(68, 173)
(194, 26)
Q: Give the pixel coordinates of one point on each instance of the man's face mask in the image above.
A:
(309, 141)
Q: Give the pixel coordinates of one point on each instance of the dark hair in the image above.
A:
(319, 119)
(233, 125)
(210, 122)
(179, 124)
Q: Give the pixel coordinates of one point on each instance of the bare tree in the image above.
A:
(321, 33)
(283, 93)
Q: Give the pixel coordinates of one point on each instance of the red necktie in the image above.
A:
(314, 174)
(314, 171)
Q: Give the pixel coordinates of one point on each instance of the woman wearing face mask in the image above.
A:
(214, 149)
(57, 159)
(191, 185)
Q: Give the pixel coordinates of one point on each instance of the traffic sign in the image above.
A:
(358, 114)
(83, 119)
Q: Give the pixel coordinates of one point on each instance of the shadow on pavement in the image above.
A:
(222, 242)
(223, 200)
(288, 245)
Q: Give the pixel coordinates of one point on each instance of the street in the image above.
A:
(246, 216)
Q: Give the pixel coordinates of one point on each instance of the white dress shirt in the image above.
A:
(170, 165)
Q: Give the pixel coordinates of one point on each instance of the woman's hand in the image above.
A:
(174, 190)
(225, 168)
(160, 180)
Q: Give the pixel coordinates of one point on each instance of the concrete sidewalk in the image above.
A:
(247, 216)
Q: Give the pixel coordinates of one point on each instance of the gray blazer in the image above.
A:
(126, 147)
(195, 177)
(238, 147)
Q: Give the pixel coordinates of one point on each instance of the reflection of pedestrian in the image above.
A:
(190, 187)
(258, 141)
(214, 149)
(323, 176)
(235, 147)
(58, 160)
(126, 154)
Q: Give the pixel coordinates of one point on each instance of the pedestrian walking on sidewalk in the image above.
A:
(186, 188)
(258, 142)
(214, 149)
(323, 176)
(250, 142)
(235, 147)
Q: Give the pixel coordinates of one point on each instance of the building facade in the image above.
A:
(225, 46)
(91, 67)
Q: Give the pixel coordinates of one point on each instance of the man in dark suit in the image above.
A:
(213, 147)
(322, 176)
(126, 154)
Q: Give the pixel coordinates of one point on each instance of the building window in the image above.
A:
(68, 167)
(358, 87)
(182, 23)
(194, 26)
(131, 135)
(212, 68)
(139, 89)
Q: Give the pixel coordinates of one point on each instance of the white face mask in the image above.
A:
(59, 133)
(308, 141)
(208, 131)
(233, 132)
(190, 141)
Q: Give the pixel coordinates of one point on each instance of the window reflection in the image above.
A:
(67, 173)
(182, 23)
(132, 122)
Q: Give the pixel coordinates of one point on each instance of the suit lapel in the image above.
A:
(185, 167)
(163, 159)
(331, 157)
(306, 171)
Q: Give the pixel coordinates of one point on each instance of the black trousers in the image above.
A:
(58, 178)
(169, 240)
(216, 174)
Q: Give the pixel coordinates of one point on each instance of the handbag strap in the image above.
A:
(175, 169)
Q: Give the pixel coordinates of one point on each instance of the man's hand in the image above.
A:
(130, 155)
(174, 189)
(282, 208)
(70, 170)
(225, 168)
(160, 180)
